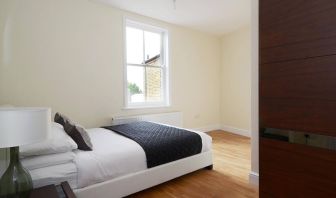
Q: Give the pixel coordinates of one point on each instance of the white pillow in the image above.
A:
(59, 142)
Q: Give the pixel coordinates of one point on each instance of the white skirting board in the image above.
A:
(229, 129)
(135, 182)
(237, 131)
(208, 128)
(254, 178)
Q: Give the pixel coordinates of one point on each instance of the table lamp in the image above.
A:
(20, 126)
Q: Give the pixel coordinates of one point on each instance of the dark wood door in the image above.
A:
(297, 86)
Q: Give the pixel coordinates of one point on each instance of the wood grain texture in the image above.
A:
(282, 21)
(292, 170)
(297, 84)
(313, 116)
(67, 190)
(229, 177)
(44, 192)
(296, 29)
(308, 79)
(296, 51)
(295, 93)
(297, 80)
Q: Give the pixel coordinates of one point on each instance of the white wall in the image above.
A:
(239, 103)
(236, 81)
(68, 55)
(254, 176)
(239, 95)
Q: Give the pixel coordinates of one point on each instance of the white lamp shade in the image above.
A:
(20, 126)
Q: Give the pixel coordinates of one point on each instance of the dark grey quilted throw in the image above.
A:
(162, 144)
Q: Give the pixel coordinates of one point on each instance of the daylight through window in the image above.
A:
(146, 65)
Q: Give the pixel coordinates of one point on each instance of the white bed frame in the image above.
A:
(135, 182)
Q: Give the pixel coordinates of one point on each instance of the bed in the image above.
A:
(117, 166)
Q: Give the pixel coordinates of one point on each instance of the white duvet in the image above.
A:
(113, 155)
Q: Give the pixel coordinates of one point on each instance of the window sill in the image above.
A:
(145, 107)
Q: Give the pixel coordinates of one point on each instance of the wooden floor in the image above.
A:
(229, 178)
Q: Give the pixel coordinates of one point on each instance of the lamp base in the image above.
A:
(16, 182)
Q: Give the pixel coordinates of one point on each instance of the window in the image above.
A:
(146, 66)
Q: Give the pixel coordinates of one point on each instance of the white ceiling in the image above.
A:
(213, 16)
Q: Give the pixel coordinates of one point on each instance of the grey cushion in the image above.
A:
(61, 119)
(79, 135)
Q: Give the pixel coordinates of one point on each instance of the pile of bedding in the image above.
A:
(51, 161)
(54, 160)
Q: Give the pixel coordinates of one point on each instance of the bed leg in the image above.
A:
(209, 167)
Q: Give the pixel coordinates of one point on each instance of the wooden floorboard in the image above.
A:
(229, 178)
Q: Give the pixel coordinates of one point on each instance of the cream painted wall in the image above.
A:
(254, 176)
(236, 80)
(68, 55)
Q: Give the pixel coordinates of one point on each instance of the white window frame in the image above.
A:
(165, 66)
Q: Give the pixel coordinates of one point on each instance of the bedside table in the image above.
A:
(51, 191)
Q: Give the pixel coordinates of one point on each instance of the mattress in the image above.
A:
(113, 156)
